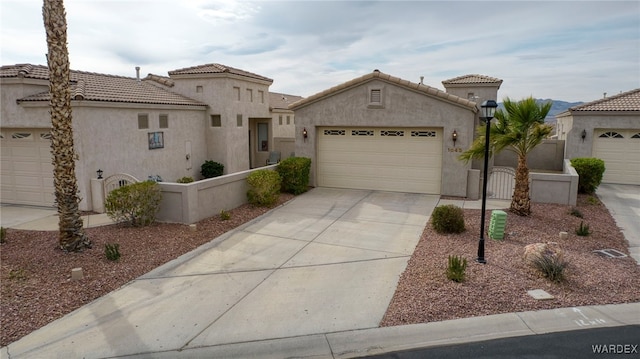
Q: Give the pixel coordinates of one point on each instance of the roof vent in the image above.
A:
(421, 80)
(138, 73)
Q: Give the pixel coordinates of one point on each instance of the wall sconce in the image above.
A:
(99, 172)
(454, 137)
(304, 134)
(583, 135)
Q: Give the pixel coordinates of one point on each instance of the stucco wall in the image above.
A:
(227, 144)
(548, 155)
(571, 128)
(402, 108)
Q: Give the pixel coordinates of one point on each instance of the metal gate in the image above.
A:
(502, 181)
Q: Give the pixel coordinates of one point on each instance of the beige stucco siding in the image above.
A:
(401, 107)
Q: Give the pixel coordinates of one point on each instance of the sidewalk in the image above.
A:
(42, 218)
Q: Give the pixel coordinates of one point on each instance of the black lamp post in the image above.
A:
(488, 109)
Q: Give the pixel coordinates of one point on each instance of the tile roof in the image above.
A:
(472, 79)
(282, 101)
(216, 69)
(376, 74)
(626, 101)
(91, 86)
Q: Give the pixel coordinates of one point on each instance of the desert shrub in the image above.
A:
(576, 212)
(18, 274)
(590, 171)
(225, 215)
(294, 172)
(456, 268)
(112, 251)
(593, 200)
(185, 179)
(264, 187)
(3, 235)
(583, 229)
(448, 219)
(210, 169)
(136, 203)
(551, 266)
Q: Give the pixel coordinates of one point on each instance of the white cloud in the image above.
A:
(569, 50)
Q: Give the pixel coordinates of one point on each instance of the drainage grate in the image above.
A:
(610, 253)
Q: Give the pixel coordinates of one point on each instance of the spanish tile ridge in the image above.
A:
(472, 78)
(79, 90)
(163, 80)
(386, 77)
(625, 101)
(281, 100)
(216, 68)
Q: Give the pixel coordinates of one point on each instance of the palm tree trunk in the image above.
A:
(71, 236)
(520, 202)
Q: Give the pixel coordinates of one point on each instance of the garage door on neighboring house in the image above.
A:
(27, 173)
(620, 151)
(387, 159)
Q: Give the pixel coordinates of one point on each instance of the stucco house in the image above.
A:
(609, 129)
(384, 133)
(157, 125)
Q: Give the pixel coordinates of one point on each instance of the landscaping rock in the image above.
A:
(537, 250)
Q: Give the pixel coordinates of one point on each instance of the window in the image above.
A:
(334, 132)
(250, 95)
(216, 121)
(288, 120)
(423, 133)
(261, 96)
(263, 136)
(163, 121)
(199, 89)
(143, 121)
(21, 135)
(156, 140)
(611, 135)
(392, 133)
(637, 135)
(236, 93)
(239, 120)
(280, 120)
(361, 132)
(45, 136)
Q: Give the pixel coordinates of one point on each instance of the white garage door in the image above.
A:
(27, 173)
(620, 151)
(386, 159)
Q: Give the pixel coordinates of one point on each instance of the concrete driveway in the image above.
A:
(623, 202)
(327, 261)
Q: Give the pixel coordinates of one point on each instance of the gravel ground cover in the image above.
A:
(424, 294)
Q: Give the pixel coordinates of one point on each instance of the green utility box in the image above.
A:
(498, 222)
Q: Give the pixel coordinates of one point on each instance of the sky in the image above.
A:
(563, 50)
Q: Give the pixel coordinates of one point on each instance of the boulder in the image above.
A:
(537, 250)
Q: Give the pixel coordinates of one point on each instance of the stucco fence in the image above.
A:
(560, 188)
(192, 202)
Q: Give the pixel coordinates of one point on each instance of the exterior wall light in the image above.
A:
(454, 137)
(99, 172)
(304, 134)
(583, 135)
(488, 110)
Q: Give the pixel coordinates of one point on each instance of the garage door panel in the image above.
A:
(392, 163)
(27, 172)
(620, 151)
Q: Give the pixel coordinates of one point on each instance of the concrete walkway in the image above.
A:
(42, 218)
(312, 278)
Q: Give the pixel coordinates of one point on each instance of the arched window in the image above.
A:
(611, 134)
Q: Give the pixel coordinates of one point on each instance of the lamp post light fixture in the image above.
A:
(488, 110)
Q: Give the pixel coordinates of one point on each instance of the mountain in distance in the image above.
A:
(556, 108)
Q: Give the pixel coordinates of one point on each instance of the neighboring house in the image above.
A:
(384, 133)
(166, 126)
(609, 129)
(283, 122)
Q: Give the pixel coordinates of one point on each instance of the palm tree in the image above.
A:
(71, 236)
(519, 128)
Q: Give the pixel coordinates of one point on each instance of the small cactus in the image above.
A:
(112, 251)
